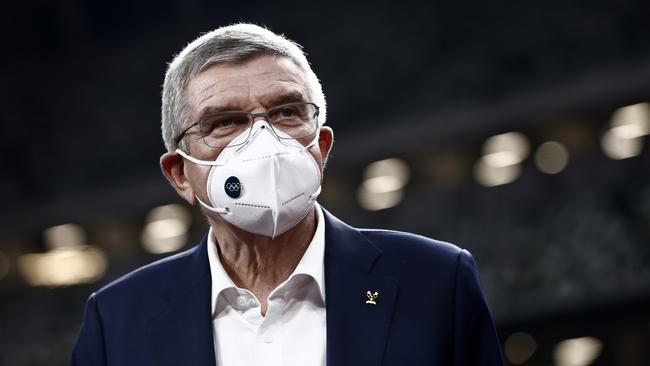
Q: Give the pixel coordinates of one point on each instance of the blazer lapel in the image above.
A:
(182, 333)
(356, 327)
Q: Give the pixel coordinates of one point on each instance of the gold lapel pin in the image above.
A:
(372, 297)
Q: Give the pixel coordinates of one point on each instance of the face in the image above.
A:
(253, 86)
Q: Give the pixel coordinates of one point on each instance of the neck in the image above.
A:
(258, 263)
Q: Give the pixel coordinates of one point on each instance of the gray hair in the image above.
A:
(231, 44)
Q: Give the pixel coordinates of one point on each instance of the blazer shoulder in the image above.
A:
(409, 242)
(401, 247)
(148, 277)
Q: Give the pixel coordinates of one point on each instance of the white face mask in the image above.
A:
(265, 186)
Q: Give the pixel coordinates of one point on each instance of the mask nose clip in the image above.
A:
(258, 128)
(264, 125)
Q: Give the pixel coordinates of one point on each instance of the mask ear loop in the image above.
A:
(195, 160)
(314, 195)
(313, 141)
(219, 210)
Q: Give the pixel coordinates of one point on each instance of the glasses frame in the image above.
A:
(252, 117)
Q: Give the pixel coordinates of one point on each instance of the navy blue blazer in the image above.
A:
(430, 309)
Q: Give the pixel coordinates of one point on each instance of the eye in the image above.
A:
(223, 122)
(288, 112)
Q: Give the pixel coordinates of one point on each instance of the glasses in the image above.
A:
(297, 120)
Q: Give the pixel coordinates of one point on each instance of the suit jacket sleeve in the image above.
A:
(475, 338)
(89, 350)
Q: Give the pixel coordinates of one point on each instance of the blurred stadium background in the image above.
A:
(513, 129)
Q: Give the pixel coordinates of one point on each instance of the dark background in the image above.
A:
(561, 256)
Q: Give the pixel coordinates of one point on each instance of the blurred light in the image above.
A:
(505, 149)
(383, 184)
(501, 159)
(616, 147)
(64, 236)
(490, 176)
(551, 157)
(4, 265)
(635, 117)
(577, 352)
(394, 168)
(628, 131)
(166, 229)
(628, 126)
(519, 347)
(379, 201)
(502, 155)
(63, 267)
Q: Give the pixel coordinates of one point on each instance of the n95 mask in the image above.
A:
(265, 185)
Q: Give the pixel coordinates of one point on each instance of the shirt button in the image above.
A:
(268, 339)
(241, 301)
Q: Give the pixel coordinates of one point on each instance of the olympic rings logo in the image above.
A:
(233, 187)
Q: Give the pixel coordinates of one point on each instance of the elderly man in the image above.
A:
(277, 280)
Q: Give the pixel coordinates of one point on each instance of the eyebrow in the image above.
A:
(288, 97)
(211, 109)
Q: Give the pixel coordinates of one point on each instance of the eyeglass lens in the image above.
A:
(296, 120)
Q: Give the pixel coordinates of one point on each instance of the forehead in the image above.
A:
(246, 85)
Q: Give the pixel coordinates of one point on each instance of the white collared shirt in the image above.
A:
(293, 332)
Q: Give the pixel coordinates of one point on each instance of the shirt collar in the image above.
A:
(311, 263)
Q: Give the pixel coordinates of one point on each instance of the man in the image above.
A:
(277, 280)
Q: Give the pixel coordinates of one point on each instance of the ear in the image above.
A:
(325, 142)
(173, 168)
